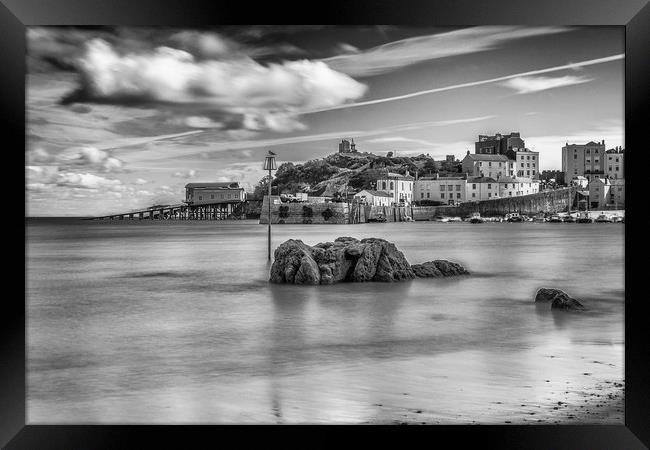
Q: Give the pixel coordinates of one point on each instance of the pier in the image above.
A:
(182, 211)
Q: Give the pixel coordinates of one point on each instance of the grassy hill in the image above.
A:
(329, 176)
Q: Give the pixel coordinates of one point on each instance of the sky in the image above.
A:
(121, 118)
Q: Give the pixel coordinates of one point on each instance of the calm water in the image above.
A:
(175, 322)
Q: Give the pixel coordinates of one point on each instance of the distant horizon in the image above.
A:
(120, 118)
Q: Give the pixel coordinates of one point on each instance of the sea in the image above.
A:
(175, 322)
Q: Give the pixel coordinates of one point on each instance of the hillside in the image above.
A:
(329, 176)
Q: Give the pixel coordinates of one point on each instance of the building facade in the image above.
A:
(607, 193)
(587, 160)
(374, 198)
(488, 165)
(526, 163)
(516, 186)
(447, 190)
(400, 187)
(213, 193)
(498, 144)
(614, 163)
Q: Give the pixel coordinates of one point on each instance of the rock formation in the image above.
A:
(558, 299)
(350, 259)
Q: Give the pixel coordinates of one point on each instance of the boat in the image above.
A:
(569, 219)
(514, 217)
(603, 219)
(539, 218)
(617, 219)
(584, 219)
(526, 218)
(476, 218)
(455, 219)
(440, 219)
(555, 219)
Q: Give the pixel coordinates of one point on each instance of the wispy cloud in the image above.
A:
(398, 54)
(473, 83)
(526, 85)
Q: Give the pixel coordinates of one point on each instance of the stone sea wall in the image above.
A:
(304, 213)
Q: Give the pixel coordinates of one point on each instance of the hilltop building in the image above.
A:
(347, 146)
(526, 162)
(214, 193)
(498, 144)
(587, 160)
(400, 187)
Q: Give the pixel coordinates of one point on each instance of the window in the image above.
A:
(610, 158)
(527, 164)
(402, 186)
(528, 157)
(510, 193)
(533, 157)
(617, 168)
(473, 185)
(442, 187)
(489, 185)
(211, 196)
(428, 195)
(616, 159)
(200, 197)
(490, 164)
(458, 195)
(442, 195)
(499, 164)
(221, 196)
(421, 194)
(450, 187)
(533, 172)
(528, 172)
(489, 194)
(473, 194)
(383, 185)
(458, 187)
(391, 185)
(575, 156)
(588, 151)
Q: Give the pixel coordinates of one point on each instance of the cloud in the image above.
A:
(90, 157)
(140, 181)
(85, 181)
(395, 55)
(473, 83)
(526, 85)
(265, 96)
(189, 174)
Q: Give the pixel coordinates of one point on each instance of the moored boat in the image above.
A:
(603, 219)
(555, 219)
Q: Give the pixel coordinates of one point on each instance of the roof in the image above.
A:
(375, 193)
(481, 180)
(396, 175)
(222, 185)
(440, 178)
(480, 157)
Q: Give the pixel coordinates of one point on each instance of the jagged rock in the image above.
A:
(288, 259)
(438, 268)
(558, 299)
(345, 259)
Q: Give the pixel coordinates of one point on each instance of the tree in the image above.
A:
(389, 155)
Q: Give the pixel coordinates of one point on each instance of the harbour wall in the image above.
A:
(316, 213)
(338, 213)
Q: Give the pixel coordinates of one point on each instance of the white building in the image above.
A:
(400, 187)
(482, 188)
(374, 198)
(526, 163)
(515, 186)
(441, 189)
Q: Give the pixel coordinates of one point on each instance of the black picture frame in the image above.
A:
(634, 15)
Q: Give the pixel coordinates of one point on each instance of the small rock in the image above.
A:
(558, 299)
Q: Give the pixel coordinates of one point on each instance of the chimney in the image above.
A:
(603, 142)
